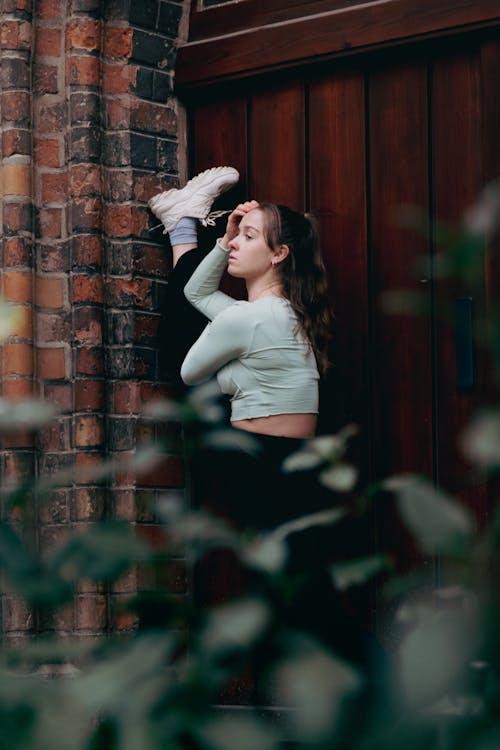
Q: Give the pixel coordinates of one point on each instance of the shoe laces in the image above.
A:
(213, 216)
(208, 221)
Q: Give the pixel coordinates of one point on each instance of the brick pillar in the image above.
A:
(105, 132)
(16, 355)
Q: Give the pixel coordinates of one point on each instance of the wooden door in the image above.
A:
(354, 143)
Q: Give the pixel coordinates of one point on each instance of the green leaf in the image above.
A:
(317, 451)
(242, 732)
(314, 684)
(235, 625)
(480, 441)
(267, 553)
(357, 572)
(321, 518)
(30, 413)
(10, 317)
(339, 477)
(435, 655)
(439, 523)
(104, 551)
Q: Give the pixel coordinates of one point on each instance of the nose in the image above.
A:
(232, 244)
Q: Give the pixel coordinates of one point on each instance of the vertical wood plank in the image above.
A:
(402, 344)
(219, 137)
(457, 170)
(277, 146)
(490, 65)
(338, 199)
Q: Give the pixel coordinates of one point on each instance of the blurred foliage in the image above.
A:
(156, 688)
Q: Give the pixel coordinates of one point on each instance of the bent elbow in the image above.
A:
(190, 376)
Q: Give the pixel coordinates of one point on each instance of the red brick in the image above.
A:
(16, 616)
(117, 184)
(117, 220)
(126, 397)
(116, 78)
(15, 35)
(91, 612)
(153, 118)
(87, 250)
(50, 9)
(17, 252)
(52, 118)
(17, 286)
(60, 394)
(18, 467)
(83, 70)
(86, 213)
(46, 79)
(51, 223)
(54, 187)
(147, 185)
(63, 620)
(22, 326)
(117, 41)
(16, 106)
(124, 505)
(17, 216)
(151, 260)
(90, 504)
(17, 359)
(56, 437)
(47, 152)
(16, 141)
(87, 463)
(85, 179)
(50, 292)
(89, 395)
(125, 292)
(117, 114)
(52, 327)
(122, 618)
(89, 361)
(16, 389)
(51, 363)
(48, 41)
(89, 431)
(146, 327)
(17, 440)
(15, 179)
(140, 221)
(82, 33)
(88, 288)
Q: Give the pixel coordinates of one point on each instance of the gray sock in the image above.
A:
(184, 233)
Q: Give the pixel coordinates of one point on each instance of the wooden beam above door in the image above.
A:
(279, 44)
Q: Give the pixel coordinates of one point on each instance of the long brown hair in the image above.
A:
(302, 274)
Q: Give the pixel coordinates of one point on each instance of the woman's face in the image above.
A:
(250, 256)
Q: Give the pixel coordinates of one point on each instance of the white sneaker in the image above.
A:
(195, 198)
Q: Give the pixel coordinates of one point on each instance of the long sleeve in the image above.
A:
(202, 289)
(224, 339)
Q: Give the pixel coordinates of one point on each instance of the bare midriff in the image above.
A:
(280, 425)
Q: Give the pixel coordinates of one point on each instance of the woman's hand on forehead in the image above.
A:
(237, 215)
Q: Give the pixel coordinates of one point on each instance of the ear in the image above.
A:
(281, 252)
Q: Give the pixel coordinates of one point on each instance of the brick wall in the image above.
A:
(89, 131)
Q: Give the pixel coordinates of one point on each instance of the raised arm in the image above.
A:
(202, 289)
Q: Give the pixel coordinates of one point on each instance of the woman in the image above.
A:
(265, 351)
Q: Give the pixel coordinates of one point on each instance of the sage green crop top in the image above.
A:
(260, 360)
